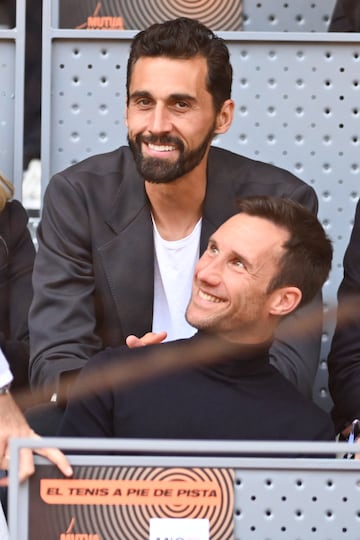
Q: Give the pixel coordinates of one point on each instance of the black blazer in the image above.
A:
(17, 254)
(344, 358)
(345, 17)
(94, 270)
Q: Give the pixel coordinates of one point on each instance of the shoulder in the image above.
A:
(287, 406)
(249, 177)
(14, 211)
(351, 262)
(345, 16)
(101, 164)
(113, 160)
(15, 237)
(99, 186)
(229, 161)
(13, 218)
(106, 169)
(357, 211)
(135, 363)
(352, 252)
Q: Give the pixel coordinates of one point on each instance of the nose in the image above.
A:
(208, 270)
(160, 121)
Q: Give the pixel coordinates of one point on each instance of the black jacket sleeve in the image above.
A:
(344, 358)
(17, 254)
(345, 17)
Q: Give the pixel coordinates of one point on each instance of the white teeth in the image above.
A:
(161, 148)
(209, 297)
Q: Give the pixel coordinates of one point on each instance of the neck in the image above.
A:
(177, 206)
(216, 346)
(262, 333)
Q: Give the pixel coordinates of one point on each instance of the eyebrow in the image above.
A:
(140, 93)
(171, 97)
(182, 97)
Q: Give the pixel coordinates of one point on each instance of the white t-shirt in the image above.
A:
(173, 274)
(5, 373)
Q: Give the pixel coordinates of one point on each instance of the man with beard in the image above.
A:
(259, 266)
(121, 232)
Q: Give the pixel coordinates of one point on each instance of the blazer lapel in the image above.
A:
(128, 258)
(220, 199)
(128, 262)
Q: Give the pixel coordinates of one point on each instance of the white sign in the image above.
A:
(179, 529)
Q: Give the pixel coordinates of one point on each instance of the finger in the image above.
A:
(26, 464)
(357, 456)
(132, 342)
(4, 462)
(5, 457)
(57, 458)
(4, 481)
(150, 338)
(3, 445)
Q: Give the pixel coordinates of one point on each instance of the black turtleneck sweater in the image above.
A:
(238, 397)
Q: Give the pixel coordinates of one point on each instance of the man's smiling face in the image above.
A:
(170, 116)
(229, 294)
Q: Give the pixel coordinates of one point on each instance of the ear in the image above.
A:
(284, 301)
(126, 115)
(224, 117)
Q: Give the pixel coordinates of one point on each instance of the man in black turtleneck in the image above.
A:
(260, 265)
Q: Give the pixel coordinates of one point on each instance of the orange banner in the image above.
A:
(130, 492)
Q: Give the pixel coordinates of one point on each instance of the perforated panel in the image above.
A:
(87, 99)
(7, 104)
(297, 98)
(296, 504)
(287, 15)
(11, 100)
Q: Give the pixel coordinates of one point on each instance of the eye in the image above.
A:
(143, 102)
(238, 264)
(181, 105)
(212, 248)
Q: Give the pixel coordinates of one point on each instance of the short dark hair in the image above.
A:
(185, 38)
(306, 262)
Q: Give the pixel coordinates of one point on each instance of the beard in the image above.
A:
(163, 171)
(238, 324)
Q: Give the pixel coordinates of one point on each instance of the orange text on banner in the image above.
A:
(130, 492)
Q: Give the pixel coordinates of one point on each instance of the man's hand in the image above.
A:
(351, 432)
(14, 424)
(150, 338)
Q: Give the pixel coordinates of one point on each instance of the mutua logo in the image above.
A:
(69, 535)
(96, 22)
